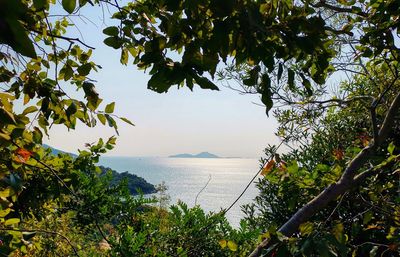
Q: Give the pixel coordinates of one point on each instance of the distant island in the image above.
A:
(200, 155)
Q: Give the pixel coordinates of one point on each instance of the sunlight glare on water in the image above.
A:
(185, 177)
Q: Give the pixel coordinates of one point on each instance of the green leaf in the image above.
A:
(29, 109)
(110, 107)
(5, 212)
(69, 5)
(306, 228)
(266, 94)
(112, 140)
(12, 221)
(7, 192)
(307, 85)
(367, 217)
(111, 31)
(19, 40)
(391, 148)
(124, 56)
(158, 82)
(127, 121)
(114, 42)
(101, 118)
(39, 4)
(222, 243)
(72, 108)
(37, 135)
(280, 71)
(84, 69)
(6, 117)
(232, 246)
(291, 79)
(205, 83)
(5, 136)
(67, 72)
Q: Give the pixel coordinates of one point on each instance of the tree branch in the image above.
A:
(69, 39)
(338, 9)
(345, 183)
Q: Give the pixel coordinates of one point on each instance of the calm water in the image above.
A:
(185, 177)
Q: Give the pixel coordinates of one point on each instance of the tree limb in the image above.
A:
(345, 183)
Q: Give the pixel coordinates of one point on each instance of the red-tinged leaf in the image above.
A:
(268, 167)
(338, 154)
(22, 155)
(364, 138)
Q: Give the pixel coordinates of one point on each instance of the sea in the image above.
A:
(212, 183)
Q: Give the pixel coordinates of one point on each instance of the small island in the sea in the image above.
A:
(200, 155)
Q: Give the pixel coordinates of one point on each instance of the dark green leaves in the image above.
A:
(69, 5)
(265, 91)
(205, 83)
(280, 71)
(158, 82)
(39, 4)
(72, 108)
(114, 42)
(91, 95)
(291, 79)
(111, 31)
(15, 36)
(84, 69)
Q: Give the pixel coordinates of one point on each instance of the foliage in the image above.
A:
(362, 222)
(38, 61)
(207, 32)
(181, 232)
(134, 183)
(283, 50)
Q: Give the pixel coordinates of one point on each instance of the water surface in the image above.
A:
(185, 177)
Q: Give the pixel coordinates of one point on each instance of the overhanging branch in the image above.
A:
(344, 184)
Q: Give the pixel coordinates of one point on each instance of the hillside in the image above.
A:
(135, 182)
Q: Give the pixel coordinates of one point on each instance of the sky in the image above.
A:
(222, 122)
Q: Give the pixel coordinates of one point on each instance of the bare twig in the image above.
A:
(204, 187)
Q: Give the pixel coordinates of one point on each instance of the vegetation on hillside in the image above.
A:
(134, 183)
(335, 193)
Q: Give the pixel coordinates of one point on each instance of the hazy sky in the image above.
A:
(222, 122)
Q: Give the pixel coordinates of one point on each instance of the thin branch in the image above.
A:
(338, 9)
(252, 180)
(69, 39)
(209, 179)
(333, 211)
